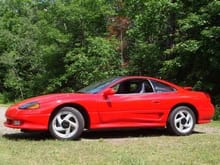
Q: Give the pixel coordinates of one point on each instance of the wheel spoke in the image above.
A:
(67, 117)
(187, 125)
(188, 118)
(59, 120)
(72, 124)
(181, 127)
(182, 114)
(178, 120)
(59, 129)
(68, 131)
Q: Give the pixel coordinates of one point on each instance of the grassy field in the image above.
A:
(130, 147)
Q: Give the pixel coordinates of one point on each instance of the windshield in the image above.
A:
(97, 87)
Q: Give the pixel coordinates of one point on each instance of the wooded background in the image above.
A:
(62, 45)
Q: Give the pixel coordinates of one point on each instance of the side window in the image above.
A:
(133, 86)
(160, 87)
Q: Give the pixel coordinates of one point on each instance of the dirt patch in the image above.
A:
(207, 129)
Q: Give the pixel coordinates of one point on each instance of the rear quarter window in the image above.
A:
(161, 87)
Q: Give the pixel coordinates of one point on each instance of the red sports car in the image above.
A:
(122, 102)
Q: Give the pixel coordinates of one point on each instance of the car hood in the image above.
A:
(53, 98)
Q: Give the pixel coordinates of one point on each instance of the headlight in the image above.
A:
(30, 105)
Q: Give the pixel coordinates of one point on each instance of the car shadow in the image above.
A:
(96, 134)
(35, 136)
(124, 133)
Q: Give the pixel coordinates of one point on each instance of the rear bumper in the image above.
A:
(204, 121)
(206, 114)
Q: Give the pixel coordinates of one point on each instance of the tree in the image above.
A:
(195, 55)
(18, 57)
(62, 45)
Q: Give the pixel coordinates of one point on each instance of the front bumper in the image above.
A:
(26, 119)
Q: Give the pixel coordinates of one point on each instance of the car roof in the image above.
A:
(151, 78)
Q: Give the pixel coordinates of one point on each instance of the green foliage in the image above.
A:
(193, 59)
(96, 61)
(145, 59)
(1, 98)
(217, 113)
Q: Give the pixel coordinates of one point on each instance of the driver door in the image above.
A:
(133, 102)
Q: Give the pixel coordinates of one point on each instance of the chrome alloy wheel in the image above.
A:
(66, 124)
(183, 121)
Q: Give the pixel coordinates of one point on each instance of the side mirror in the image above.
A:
(108, 91)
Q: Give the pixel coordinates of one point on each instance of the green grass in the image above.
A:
(116, 148)
(215, 123)
(198, 148)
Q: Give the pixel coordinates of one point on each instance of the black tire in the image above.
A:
(181, 121)
(67, 124)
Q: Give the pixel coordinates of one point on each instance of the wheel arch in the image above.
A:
(79, 107)
(192, 107)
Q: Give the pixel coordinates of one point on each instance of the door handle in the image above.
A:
(156, 101)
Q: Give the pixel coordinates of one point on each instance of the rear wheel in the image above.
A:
(67, 124)
(181, 121)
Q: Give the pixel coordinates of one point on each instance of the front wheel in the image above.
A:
(67, 124)
(181, 121)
